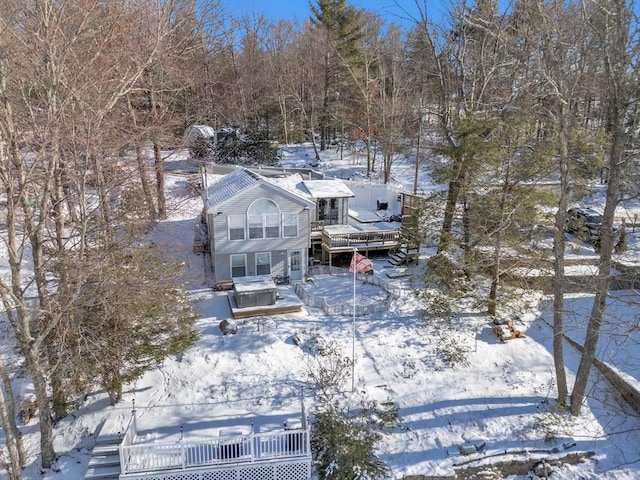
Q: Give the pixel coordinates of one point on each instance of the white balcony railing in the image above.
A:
(231, 448)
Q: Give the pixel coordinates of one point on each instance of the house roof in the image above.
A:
(291, 182)
(242, 179)
(230, 185)
(327, 189)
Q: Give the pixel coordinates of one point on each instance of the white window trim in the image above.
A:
(285, 225)
(244, 227)
(278, 224)
(270, 262)
(250, 228)
(263, 220)
(231, 257)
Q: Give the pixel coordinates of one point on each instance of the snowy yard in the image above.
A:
(498, 393)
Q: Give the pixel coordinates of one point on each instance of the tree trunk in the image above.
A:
(603, 279)
(105, 206)
(158, 160)
(495, 275)
(10, 404)
(13, 436)
(7, 422)
(324, 116)
(455, 183)
(558, 264)
(159, 167)
(616, 39)
(386, 171)
(47, 452)
(144, 182)
(142, 171)
(497, 251)
(416, 171)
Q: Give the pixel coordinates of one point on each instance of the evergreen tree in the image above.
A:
(340, 23)
(126, 317)
(344, 448)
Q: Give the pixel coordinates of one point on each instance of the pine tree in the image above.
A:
(342, 29)
(126, 317)
(344, 448)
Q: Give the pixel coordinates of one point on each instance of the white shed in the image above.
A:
(194, 133)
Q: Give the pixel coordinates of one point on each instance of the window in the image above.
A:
(255, 227)
(328, 211)
(263, 263)
(236, 227)
(290, 225)
(264, 219)
(238, 266)
(272, 222)
(322, 207)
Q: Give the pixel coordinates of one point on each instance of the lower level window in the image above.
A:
(263, 263)
(238, 266)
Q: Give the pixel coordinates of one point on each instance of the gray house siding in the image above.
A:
(279, 248)
(278, 264)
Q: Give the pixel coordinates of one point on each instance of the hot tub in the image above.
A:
(254, 291)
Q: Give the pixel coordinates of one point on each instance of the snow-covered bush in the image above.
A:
(438, 304)
(343, 447)
(328, 369)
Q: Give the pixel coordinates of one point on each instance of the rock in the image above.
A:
(479, 443)
(542, 470)
(467, 448)
(228, 327)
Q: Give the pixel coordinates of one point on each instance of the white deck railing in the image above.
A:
(231, 450)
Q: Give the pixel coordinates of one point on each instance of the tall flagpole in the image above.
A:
(353, 324)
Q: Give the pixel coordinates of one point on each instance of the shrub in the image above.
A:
(344, 448)
(329, 370)
(438, 304)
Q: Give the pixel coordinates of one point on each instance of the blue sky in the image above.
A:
(274, 10)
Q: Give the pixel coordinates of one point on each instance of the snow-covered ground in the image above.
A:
(501, 393)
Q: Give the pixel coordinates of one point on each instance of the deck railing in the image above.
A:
(130, 435)
(341, 240)
(253, 447)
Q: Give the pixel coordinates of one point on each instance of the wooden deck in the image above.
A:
(286, 302)
(364, 237)
(236, 453)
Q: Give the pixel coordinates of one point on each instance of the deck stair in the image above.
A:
(105, 459)
(404, 256)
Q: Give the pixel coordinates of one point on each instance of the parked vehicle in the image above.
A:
(585, 223)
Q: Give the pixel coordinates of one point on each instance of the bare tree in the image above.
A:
(279, 42)
(61, 76)
(564, 67)
(396, 112)
(13, 436)
(613, 26)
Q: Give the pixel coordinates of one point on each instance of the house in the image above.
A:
(255, 227)
(325, 218)
(331, 198)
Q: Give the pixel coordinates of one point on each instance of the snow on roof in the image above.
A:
(203, 130)
(241, 178)
(327, 188)
(230, 185)
(292, 182)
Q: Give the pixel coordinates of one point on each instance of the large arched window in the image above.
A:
(264, 219)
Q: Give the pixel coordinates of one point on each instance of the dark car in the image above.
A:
(585, 223)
